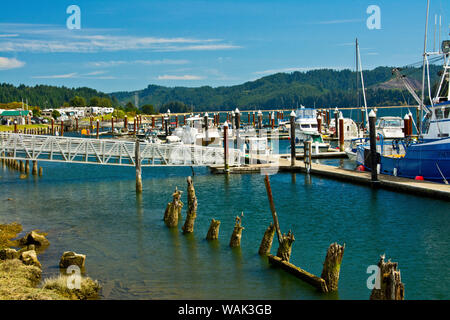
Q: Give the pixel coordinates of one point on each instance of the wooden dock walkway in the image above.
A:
(416, 187)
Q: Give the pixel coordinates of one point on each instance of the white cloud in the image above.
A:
(9, 35)
(185, 77)
(10, 63)
(143, 62)
(49, 38)
(58, 76)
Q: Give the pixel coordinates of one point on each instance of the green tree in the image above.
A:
(56, 114)
(148, 109)
(36, 112)
(78, 101)
(118, 113)
(94, 101)
(105, 102)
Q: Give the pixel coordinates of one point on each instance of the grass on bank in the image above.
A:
(19, 282)
(22, 127)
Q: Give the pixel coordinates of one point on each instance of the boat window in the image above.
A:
(447, 112)
(304, 126)
(393, 123)
(439, 113)
(314, 126)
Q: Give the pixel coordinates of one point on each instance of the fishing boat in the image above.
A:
(306, 129)
(428, 158)
(390, 127)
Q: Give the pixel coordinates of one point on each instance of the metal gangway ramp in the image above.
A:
(110, 151)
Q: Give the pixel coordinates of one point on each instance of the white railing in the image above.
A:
(110, 152)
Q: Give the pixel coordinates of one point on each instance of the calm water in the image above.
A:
(94, 210)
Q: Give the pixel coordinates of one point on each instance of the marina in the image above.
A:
(202, 155)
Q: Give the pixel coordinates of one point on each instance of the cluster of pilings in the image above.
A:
(172, 216)
(22, 166)
(389, 282)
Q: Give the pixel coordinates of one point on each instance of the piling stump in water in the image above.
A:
(34, 171)
(173, 210)
(266, 243)
(192, 208)
(213, 232)
(285, 247)
(27, 166)
(40, 171)
(332, 266)
(390, 282)
(235, 240)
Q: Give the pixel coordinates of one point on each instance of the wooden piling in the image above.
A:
(373, 147)
(292, 138)
(40, 171)
(137, 160)
(332, 266)
(266, 242)
(27, 166)
(341, 133)
(22, 166)
(213, 231)
(173, 210)
(236, 236)
(390, 282)
(192, 208)
(284, 241)
(225, 146)
(336, 123)
(313, 280)
(34, 171)
(319, 123)
(98, 129)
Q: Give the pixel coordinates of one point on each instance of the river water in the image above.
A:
(94, 210)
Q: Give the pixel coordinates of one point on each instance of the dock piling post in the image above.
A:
(34, 171)
(332, 266)
(27, 166)
(213, 231)
(319, 123)
(373, 147)
(98, 128)
(40, 171)
(284, 241)
(266, 242)
(173, 210)
(390, 286)
(192, 208)
(341, 132)
(137, 160)
(336, 122)
(307, 155)
(236, 237)
(225, 147)
(292, 138)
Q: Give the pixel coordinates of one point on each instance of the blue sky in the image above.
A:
(127, 45)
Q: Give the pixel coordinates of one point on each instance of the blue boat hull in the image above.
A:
(431, 160)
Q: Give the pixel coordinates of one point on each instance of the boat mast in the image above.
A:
(419, 125)
(358, 54)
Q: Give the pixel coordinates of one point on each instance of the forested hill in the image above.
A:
(320, 88)
(47, 96)
(323, 87)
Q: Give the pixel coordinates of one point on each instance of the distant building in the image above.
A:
(21, 116)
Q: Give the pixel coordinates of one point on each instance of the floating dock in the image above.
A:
(416, 187)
